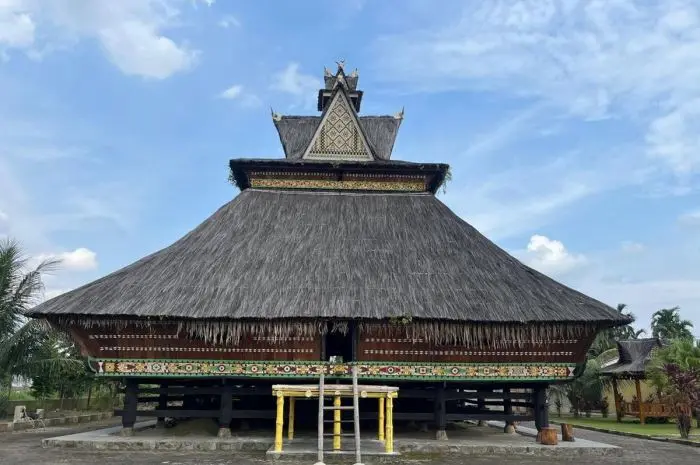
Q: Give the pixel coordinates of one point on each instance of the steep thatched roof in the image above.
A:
(298, 254)
(296, 133)
(634, 354)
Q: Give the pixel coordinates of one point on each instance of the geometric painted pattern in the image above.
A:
(366, 370)
(396, 186)
(339, 136)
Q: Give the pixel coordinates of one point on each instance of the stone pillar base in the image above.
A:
(481, 423)
(224, 433)
(509, 429)
(127, 431)
(441, 435)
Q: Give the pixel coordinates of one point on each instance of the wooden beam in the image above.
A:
(130, 406)
(639, 399)
(226, 406)
(616, 395)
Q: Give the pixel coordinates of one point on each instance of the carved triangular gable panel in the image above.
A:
(339, 136)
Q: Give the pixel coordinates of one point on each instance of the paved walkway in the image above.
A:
(25, 447)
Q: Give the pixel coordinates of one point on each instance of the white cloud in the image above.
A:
(232, 92)
(132, 33)
(80, 259)
(51, 293)
(592, 59)
(691, 218)
(550, 256)
(229, 21)
(16, 25)
(631, 247)
(291, 81)
(3, 216)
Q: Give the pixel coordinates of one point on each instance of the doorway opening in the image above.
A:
(340, 345)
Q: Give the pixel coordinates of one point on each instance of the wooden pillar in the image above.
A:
(616, 395)
(290, 425)
(639, 399)
(279, 422)
(508, 410)
(225, 410)
(130, 406)
(440, 413)
(541, 420)
(380, 415)
(389, 442)
(162, 405)
(481, 405)
(337, 430)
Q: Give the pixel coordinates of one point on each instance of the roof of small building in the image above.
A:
(633, 357)
(355, 255)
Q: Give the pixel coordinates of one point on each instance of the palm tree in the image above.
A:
(606, 340)
(667, 324)
(20, 289)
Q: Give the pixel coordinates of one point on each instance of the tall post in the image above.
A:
(616, 395)
(639, 399)
(290, 426)
(130, 407)
(380, 415)
(225, 410)
(162, 404)
(279, 422)
(337, 431)
(540, 407)
(440, 413)
(389, 443)
(508, 410)
(481, 405)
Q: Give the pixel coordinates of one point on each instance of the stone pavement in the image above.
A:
(25, 447)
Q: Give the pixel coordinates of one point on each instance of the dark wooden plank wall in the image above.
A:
(392, 344)
(163, 342)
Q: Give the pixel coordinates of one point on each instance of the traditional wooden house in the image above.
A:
(336, 251)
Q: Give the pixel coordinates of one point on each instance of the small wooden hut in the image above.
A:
(336, 251)
(631, 365)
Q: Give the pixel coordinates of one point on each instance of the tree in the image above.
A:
(666, 324)
(605, 340)
(675, 371)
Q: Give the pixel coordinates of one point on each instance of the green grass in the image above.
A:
(627, 425)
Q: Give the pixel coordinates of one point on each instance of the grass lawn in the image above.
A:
(628, 425)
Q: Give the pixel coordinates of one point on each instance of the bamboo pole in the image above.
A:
(290, 426)
(279, 422)
(389, 444)
(336, 424)
(381, 419)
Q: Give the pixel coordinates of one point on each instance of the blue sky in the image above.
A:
(570, 126)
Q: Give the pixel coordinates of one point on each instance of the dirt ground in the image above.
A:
(25, 448)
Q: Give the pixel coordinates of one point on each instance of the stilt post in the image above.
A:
(440, 413)
(616, 395)
(380, 415)
(641, 402)
(279, 422)
(225, 410)
(508, 410)
(162, 405)
(130, 407)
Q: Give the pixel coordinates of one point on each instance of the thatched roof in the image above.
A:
(634, 355)
(296, 133)
(272, 254)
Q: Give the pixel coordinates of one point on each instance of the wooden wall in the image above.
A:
(391, 344)
(163, 342)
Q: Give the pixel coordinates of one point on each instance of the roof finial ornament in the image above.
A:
(399, 115)
(275, 116)
(355, 73)
(341, 65)
(327, 72)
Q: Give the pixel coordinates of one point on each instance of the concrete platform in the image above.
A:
(469, 440)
